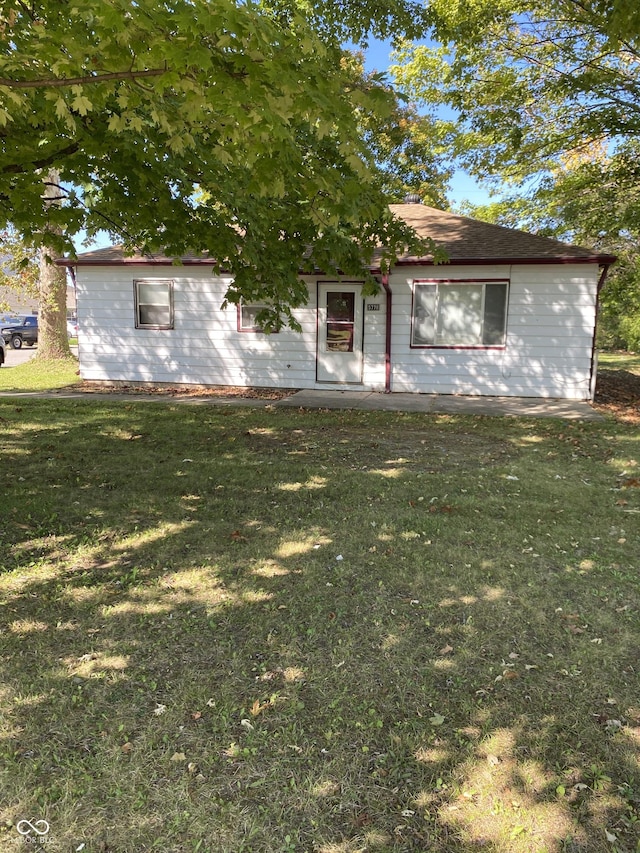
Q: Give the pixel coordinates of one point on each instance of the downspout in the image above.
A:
(594, 359)
(74, 282)
(387, 345)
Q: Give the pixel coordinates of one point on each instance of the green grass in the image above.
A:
(40, 374)
(619, 361)
(242, 630)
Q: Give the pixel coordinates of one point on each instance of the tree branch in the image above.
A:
(45, 162)
(80, 81)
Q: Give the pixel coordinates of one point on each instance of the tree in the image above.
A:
(545, 97)
(529, 82)
(53, 341)
(188, 126)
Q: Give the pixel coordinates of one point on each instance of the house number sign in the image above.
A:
(373, 306)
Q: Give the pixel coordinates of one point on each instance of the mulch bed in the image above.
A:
(618, 394)
(186, 391)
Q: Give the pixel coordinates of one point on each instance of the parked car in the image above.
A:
(72, 328)
(24, 332)
(3, 353)
(9, 320)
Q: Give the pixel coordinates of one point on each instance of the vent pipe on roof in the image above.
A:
(412, 198)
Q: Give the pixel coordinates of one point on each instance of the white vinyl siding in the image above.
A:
(205, 346)
(547, 350)
(548, 344)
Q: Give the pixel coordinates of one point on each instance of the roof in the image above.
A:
(465, 241)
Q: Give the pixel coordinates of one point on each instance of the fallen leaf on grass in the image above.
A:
(196, 715)
(238, 537)
(436, 720)
(178, 756)
(445, 650)
(126, 747)
(258, 707)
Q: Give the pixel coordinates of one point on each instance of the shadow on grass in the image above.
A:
(263, 631)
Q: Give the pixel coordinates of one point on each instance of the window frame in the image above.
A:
(169, 282)
(438, 282)
(254, 329)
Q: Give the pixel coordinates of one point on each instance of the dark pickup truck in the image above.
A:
(24, 332)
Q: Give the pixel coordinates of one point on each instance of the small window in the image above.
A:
(248, 314)
(154, 303)
(459, 314)
(341, 307)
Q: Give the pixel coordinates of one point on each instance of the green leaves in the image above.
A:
(528, 81)
(243, 130)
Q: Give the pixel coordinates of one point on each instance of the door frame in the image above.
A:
(337, 284)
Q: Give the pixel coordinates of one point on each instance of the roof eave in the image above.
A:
(602, 260)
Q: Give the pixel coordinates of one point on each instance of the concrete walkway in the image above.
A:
(528, 407)
(523, 407)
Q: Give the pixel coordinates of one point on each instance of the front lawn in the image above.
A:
(254, 630)
(40, 374)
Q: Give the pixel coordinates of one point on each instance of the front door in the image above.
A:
(339, 333)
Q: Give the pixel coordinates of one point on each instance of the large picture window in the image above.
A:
(154, 303)
(459, 313)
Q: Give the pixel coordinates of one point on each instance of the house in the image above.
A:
(509, 314)
(17, 301)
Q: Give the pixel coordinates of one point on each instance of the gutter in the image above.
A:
(387, 343)
(594, 356)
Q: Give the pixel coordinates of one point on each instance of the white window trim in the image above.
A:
(256, 330)
(438, 282)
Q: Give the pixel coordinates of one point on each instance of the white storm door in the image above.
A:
(339, 333)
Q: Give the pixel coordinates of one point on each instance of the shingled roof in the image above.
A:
(468, 240)
(465, 240)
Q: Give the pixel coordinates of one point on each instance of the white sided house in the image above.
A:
(509, 314)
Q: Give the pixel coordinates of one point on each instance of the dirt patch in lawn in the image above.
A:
(618, 394)
(186, 391)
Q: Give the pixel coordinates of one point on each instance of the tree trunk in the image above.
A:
(53, 341)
